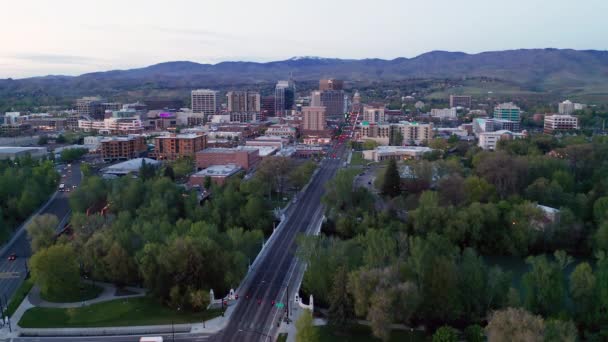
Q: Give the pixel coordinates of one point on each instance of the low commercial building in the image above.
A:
(489, 140)
(10, 152)
(217, 173)
(282, 130)
(381, 153)
(121, 148)
(557, 122)
(246, 158)
(129, 167)
(174, 146)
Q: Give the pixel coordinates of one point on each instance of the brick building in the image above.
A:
(121, 148)
(243, 157)
(174, 146)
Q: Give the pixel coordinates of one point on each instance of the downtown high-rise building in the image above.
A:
(244, 101)
(90, 107)
(331, 84)
(284, 97)
(332, 100)
(314, 118)
(205, 101)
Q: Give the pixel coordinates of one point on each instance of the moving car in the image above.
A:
(151, 339)
(12, 257)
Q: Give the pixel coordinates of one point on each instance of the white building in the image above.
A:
(120, 126)
(205, 101)
(445, 113)
(566, 107)
(373, 114)
(395, 152)
(559, 122)
(489, 140)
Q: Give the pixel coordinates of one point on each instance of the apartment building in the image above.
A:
(243, 101)
(460, 101)
(374, 114)
(489, 140)
(122, 148)
(174, 146)
(115, 126)
(411, 132)
(204, 101)
(444, 113)
(558, 122)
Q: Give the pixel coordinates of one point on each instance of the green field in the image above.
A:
(87, 292)
(357, 159)
(360, 333)
(19, 296)
(120, 312)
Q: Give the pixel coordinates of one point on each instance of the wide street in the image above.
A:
(13, 272)
(251, 321)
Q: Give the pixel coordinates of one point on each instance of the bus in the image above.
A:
(151, 339)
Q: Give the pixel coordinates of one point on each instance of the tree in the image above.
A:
(55, 270)
(305, 330)
(41, 231)
(120, 268)
(478, 190)
(583, 290)
(392, 180)
(381, 315)
(472, 284)
(507, 180)
(544, 285)
(601, 237)
(600, 210)
(451, 190)
(273, 171)
(340, 309)
(169, 173)
(515, 325)
(560, 331)
(146, 171)
(445, 334)
(71, 154)
(396, 139)
(474, 333)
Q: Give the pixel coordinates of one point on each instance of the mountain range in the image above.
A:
(543, 70)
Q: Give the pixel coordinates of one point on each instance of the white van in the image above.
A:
(151, 339)
(61, 187)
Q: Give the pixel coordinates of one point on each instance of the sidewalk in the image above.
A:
(109, 293)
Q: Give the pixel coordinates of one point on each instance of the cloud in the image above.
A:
(56, 59)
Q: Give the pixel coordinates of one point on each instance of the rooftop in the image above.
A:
(219, 171)
(17, 149)
(128, 166)
(179, 136)
(390, 149)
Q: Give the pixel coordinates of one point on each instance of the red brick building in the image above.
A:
(243, 157)
(174, 146)
(118, 148)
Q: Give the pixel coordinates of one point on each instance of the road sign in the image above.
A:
(280, 305)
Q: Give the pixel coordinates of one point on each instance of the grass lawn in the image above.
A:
(361, 333)
(120, 312)
(282, 337)
(19, 296)
(357, 159)
(87, 292)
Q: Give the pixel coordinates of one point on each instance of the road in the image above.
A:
(255, 319)
(13, 272)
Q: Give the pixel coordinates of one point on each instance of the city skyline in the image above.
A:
(65, 38)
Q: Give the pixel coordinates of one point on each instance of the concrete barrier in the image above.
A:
(135, 330)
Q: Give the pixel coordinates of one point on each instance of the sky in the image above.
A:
(72, 37)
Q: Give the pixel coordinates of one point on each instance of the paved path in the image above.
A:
(109, 293)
